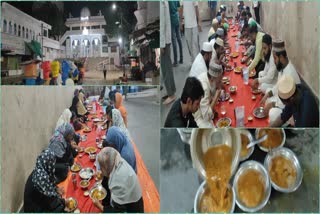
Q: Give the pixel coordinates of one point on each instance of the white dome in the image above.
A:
(85, 12)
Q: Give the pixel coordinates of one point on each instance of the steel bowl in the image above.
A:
(84, 184)
(287, 153)
(75, 201)
(248, 165)
(227, 119)
(259, 112)
(101, 189)
(185, 134)
(233, 89)
(201, 190)
(267, 150)
(86, 173)
(203, 139)
(251, 149)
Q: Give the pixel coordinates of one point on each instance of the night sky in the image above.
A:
(74, 7)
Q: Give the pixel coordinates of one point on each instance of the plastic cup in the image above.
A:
(245, 74)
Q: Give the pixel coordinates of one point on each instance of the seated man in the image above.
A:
(271, 101)
(213, 28)
(256, 38)
(299, 104)
(267, 77)
(180, 114)
(211, 82)
(201, 62)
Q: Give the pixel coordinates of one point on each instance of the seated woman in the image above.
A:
(70, 117)
(115, 119)
(119, 105)
(116, 139)
(123, 188)
(40, 192)
(78, 107)
(60, 144)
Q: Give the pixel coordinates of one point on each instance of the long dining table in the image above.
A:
(243, 94)
(150, 193)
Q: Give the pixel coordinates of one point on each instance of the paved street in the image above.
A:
(94, 77)
(144, 127)
(181, 72)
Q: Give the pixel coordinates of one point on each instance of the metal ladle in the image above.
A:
(252, 143)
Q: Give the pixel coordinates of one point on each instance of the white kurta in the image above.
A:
(198, 66)
(204, 115)
(276, 112)
(269, 76)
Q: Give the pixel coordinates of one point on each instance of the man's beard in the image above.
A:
(207, 63)
(267, 57)
(279, 66)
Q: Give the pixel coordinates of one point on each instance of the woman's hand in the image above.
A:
(97, 204)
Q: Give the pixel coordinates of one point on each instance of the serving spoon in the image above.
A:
(252, 143)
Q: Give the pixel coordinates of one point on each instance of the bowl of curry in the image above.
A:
(203, 202)
(252, 186)
(246, 138)
(276, 138)
(284, 170)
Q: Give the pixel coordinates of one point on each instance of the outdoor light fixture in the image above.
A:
(84, 18)
(114, 6)
(120, 40)
(117, 23)
(85, 31)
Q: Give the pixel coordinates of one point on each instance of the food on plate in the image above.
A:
(75, 167)
(234, 55)
(84, 183)
(238, 69)
(71, 204)
(251, 188)
(90, 149)
(250, 118)
(87, 129)
(224, 122)
(98, 194)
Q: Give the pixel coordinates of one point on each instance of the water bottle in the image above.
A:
(222, 95)
(245, 74)
(94, 107)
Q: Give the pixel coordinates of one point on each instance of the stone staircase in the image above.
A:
(96, 64)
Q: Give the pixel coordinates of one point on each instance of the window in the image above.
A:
(105, 49)
(95, 27)
(23, 32)
(75, 28)
(15, 29)
(113, 49)
(104, 39)
(19, 30)
(27, 33)
(10, 28)
(4, 26)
